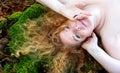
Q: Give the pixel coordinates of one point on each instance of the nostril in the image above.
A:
(77, 27)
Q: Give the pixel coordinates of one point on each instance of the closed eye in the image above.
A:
(76, 37)
(67, 27)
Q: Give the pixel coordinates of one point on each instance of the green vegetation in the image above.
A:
(11, 17)
(17, 30)
(25, 64)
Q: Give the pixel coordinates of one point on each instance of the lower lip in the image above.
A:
(83, 22)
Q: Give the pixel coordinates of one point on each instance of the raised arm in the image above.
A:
(111, 64)
(53, 4)
(65, 8)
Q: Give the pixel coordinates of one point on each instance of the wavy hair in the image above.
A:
(42, 37)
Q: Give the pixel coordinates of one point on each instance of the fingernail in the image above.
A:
(74, 16)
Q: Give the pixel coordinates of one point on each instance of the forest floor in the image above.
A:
(8, 7)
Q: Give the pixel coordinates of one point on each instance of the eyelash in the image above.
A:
(77, 36)
(67, 27)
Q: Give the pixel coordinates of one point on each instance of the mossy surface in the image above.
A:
(17, 30)
(14, 16)
(25, 63)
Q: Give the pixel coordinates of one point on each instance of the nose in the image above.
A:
(76, 27)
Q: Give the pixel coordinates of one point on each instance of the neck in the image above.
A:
(99, 10)
(100, 23)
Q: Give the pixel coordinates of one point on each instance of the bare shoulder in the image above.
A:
(112, 46)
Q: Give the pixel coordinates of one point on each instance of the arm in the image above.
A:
(63, 1)
(65, 9)
(53, 4)
(109, 63)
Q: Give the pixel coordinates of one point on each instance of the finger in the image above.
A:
(93, 34)
(75, 16)
(86, 13)
(81, 17)
(80, 5)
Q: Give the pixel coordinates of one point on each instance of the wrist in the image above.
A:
(93, 49)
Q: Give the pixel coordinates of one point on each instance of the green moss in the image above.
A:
(15, 15)
(27, 65)
(17, 30)
(7, 68)
(32, 12)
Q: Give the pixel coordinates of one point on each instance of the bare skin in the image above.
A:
(107, 26)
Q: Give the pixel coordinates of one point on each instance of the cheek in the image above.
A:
(63, 37)
(61, 34)
(67, 40)
(86, 33)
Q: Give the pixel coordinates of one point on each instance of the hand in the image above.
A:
(74, 13)
(81, 15)
(91, 42)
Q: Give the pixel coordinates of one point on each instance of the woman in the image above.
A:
(104, 21)
(43, 42)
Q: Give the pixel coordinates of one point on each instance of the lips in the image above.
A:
(83, 23)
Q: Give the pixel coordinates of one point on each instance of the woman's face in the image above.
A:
(77, 31)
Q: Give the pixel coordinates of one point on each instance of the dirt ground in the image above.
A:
(8, 7)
